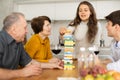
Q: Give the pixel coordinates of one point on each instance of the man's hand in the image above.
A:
(31, 70)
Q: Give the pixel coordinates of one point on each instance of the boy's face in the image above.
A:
(111, 31)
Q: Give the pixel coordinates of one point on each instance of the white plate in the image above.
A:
(66, 78)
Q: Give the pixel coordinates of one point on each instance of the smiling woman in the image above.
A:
(84, 27)
(41, 49)
(40, 42)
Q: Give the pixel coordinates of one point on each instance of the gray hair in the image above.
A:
(11, 19)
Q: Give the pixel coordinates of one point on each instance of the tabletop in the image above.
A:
(53, 74)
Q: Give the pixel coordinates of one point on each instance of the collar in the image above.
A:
(8, 37)
(42, 41)
(117, 44)
(84, 22)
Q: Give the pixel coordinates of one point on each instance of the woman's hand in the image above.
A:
(56, 65)
(62, 30)
(54, 60)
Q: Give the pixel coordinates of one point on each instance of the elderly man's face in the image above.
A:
(21, 29)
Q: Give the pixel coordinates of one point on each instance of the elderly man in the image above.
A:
(12, 53)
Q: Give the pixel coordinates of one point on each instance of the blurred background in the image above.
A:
(61, 13)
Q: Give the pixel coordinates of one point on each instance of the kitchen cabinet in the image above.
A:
(34, 10)
(56, 11)
(65, 10)
(103, 8)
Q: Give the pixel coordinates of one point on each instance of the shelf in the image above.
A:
(104, 48)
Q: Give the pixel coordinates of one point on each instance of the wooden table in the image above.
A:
(53, 74)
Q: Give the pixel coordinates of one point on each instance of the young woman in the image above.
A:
(84, 27)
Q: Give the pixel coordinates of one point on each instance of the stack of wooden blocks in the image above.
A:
(68, 51)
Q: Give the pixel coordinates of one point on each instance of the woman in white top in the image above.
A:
(84, 27)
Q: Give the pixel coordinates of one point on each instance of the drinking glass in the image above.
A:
(96, 49)
(56, 49)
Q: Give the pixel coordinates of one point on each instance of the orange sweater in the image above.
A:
(38, 48)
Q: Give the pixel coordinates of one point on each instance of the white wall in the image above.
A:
(105, 7)
(104, 33)
(63, 12)
(6, 7)
(66, 10)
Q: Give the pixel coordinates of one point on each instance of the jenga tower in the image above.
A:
(68, 51)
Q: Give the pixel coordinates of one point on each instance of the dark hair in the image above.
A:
(38, 23)
(92, 22)
(114, 17)
(11, 19)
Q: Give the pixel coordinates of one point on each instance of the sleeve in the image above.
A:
(43, 60)
(114, 66)
(24, 57)
(1, 52)
(99, 34)
(31, 47)
(72, 29)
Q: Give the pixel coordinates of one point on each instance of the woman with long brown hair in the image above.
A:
(84, 27)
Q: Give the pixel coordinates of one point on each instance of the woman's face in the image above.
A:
(46, 28)
(84, 12)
